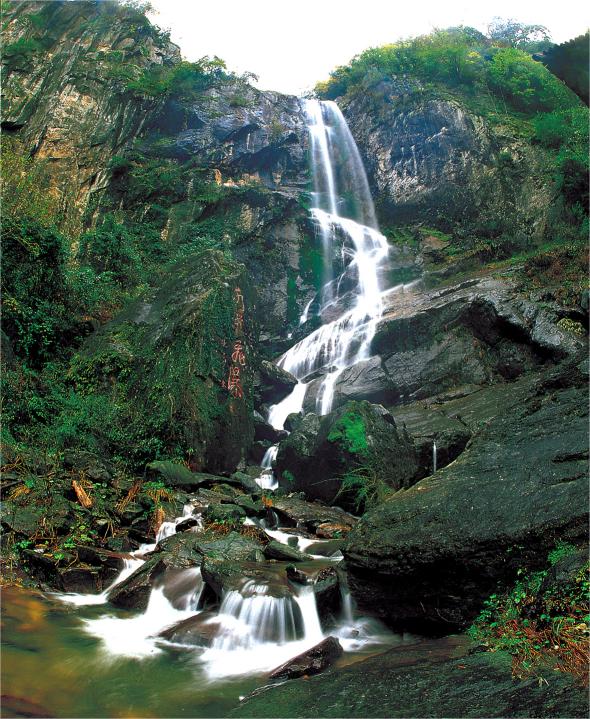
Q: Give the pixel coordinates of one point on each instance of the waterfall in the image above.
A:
(350, 300)
(433, 457)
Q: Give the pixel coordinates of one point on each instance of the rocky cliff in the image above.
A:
(186, 242)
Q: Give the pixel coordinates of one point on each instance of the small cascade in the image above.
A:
(137, 636)
(130, 564)
(433, 457)
(351, 299)
(267, 480)
(305, 314)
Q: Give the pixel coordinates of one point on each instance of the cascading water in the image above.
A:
(343, 212)
(253, 630)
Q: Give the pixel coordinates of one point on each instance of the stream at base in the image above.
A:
(69, 656)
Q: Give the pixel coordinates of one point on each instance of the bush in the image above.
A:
(111, 248)
(540, 621)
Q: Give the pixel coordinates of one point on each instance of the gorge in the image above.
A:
(292, 386)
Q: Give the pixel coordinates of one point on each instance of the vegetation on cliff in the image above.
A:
(528, 115)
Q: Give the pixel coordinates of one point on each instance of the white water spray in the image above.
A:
(344, 216)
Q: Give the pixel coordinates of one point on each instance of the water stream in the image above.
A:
(350, 300)
(255, 627)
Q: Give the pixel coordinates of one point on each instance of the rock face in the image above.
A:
(431, 679)
(477, 332)
(431, 554)
(177, 342)
(313, 661)
(321, 451)
(436, 160)
(61, 92)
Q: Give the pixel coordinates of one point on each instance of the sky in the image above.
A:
(293, 45)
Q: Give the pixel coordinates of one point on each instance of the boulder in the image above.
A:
(296, 512)
(134, 592)
(284, 553)
(265, 432)
(275, 383)
(358, 438)
(246, 578)
(246, 482)
(93, 466)
(313, 661)
(437, 678)
(199, 631)
(224, 513)
(430, 555)
(81, 579)
(179, 476)
(189, 548)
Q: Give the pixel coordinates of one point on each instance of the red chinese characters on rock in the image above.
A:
(238, 356)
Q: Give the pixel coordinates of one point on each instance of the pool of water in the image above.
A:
(52, 666)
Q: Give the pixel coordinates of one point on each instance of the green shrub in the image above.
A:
(538, 622)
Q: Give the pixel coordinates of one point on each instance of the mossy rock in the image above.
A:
(178, 475)
(358, 440)
(224, 513)
(172, 396)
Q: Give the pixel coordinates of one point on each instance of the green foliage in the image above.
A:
(23, 50)
(510, 33)
(111, 248)
(351, 432)
(539, 621)
(364, 488)
(456, 58)
(527, 85)
(562, 549)
(184, 80)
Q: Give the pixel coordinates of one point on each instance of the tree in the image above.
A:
(510, 33)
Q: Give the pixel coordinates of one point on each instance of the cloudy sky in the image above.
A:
(292, 45)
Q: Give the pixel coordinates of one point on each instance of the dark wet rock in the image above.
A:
(119, 544)
(258, 450)
(326, 548)
(186, 524)
(81, 580)
(206, 497)
(328, 596)
(247, 482)
(430, 679)
(313, 661)
(265, 432)
(275, 383)
(564, 572)
(432, 160)
(284, 553)
(25, 514)
(134, 592)
(199, 631)
(331, 530)
(309, 515)
(245, 577)
(367, 380)
(430, 555)
(190, 548)
(252, 507)
(293, 420)
(224, 513)
(179, 476)
(93, 466)
(477, 332)
(296, 575)
(323, 450)
(42, 567)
